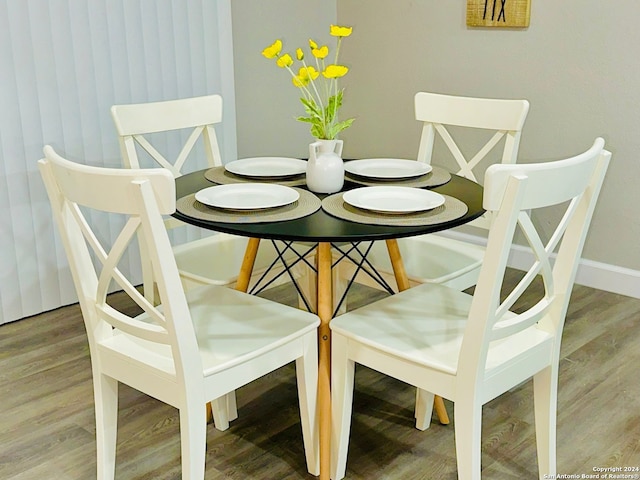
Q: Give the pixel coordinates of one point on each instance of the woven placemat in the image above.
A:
(437, 176)
(452, 209)
(307, 204)
(221, 176)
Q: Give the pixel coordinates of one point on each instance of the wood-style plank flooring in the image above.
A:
(47, 420)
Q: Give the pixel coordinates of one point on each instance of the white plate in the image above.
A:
(247, 196)
(267, 167)
(387, 168)
(393, 199)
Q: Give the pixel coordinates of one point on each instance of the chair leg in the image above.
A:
(307, 380)
(468, 431)
(545, 389)
(106, 403)
(342, 380)
(232, 406)
(426, 402)
(193, 440)
(424, 408)
(224, 410)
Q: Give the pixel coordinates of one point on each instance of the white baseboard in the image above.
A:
(603, 276)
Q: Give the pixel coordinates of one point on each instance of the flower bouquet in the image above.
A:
(321, 96)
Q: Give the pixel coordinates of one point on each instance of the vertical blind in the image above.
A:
(63, 63)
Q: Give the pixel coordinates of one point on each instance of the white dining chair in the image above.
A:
(189, 349)
(138, 126)
(215, 259)
(472, 348)
(493, 127)
(438, 258)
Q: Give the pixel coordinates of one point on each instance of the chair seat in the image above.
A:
(437, 256)
(216, 260)
(425, 325)
(231, 328)
(430, 259)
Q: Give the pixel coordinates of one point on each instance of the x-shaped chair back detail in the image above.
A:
(136, 122)
(199, 114)
(512, 192)
(438, 112)
(143, 197)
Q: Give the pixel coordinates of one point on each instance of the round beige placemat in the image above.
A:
(437, 176)
(452, 209)
(307, 204)
(221, 176)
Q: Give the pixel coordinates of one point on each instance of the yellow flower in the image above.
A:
(300, 82)
(338, 31)
(272, 51)
(335, 71)
(299, 54)
(320, 52)
(313, 44)
(284, 61)
(308, 73)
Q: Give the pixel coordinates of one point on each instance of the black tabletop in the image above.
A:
(322, 227)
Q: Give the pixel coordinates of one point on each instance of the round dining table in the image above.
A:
(323, 229)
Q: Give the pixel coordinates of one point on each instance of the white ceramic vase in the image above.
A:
(325, 168)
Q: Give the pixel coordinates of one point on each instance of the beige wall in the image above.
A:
(577, 64)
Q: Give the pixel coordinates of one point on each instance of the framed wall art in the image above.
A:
(498, 13)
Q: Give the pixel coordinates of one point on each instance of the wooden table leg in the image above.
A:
(244, 277)
(325, 311)
(398, 267)
(403, 284)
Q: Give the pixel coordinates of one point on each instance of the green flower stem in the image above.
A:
(327, 87)
(319, 98)
(335, 80)
(293, 75)
(310, 96)
(306, 92)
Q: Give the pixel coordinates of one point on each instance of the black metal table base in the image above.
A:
(354, 252)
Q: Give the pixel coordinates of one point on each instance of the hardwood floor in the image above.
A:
(47, 420)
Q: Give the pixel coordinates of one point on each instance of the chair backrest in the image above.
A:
(141, 197)
(501, 119)
(136, 122)
(511, 193)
